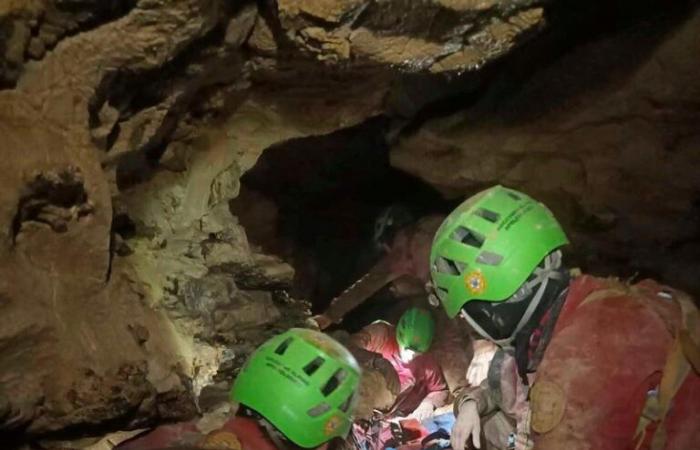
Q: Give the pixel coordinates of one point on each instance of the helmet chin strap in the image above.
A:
(274, 435)
(550, 271)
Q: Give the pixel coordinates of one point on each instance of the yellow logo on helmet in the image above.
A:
(332, 426)
(475, 282)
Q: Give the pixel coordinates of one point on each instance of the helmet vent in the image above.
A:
(283, 346)
(468, 237)
(487, 214)
(319, 409)
(444, 265)
(333, 382)
(313, 366)
(441, 293)
(345, 406)
(489, 258)
(514, 196)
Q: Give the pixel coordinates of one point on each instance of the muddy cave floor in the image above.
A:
(181, 180)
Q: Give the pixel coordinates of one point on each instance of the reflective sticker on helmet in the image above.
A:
(332, 426)
(475, 282)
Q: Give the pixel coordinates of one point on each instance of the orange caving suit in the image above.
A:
(616, 352)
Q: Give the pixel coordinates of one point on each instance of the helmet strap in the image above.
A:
(540, 280)
(275, 436)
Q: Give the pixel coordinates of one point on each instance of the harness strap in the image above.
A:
(683, 356)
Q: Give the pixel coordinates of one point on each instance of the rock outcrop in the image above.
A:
(435, 36)
(607, 136)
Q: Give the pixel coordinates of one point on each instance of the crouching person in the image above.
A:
(406, 348)
(585, 362)
(402, 352)
(296, 391)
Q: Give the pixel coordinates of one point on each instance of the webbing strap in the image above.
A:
(682, 358)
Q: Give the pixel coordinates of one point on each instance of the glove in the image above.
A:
(423, 411)
(387, 370)
(468, 423)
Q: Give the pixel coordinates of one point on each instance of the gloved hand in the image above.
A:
(468, 424)
(423, 411)
(387, 370)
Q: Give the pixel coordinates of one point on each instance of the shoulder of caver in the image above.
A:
(375, 336)
(646, 301)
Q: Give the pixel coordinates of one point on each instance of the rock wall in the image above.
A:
(607, 135)
(125, 281)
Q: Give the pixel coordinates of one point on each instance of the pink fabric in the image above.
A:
(421, 376)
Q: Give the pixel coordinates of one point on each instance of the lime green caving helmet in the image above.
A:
(488, 247)
(415, 330)
(303, 382)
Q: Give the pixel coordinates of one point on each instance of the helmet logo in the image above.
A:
(332, 426)
(475, 282)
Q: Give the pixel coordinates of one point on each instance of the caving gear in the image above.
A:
(493, 257)
(590, 364)
(468, 424)
(415, 330)
(303, 383)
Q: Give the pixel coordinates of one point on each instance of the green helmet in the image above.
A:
(488, 247)
(303, 382)
(415, 330)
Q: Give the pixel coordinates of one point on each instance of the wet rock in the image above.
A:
(435, 36)
(240, 26)
(29, 28)
(262, 39)
(53, 198)
(69, 358)
(16, 34)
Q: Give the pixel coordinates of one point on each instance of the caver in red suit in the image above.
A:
(585, 362)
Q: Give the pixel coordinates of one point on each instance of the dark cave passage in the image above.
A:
(322, 203)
